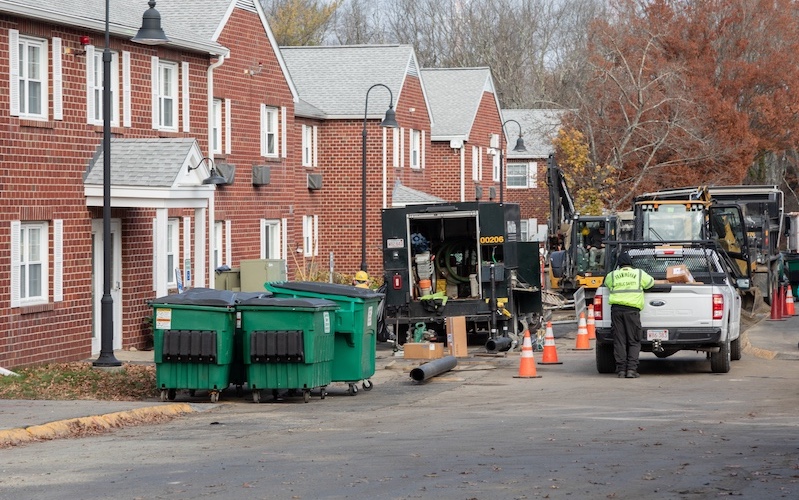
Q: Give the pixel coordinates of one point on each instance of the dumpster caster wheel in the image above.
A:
(306, 395)
(323, 393)
(192, 392)
(214, 396)
(170, 394)
(367, 385)
(353, 390)
(256, 396)
(276, 395)
(163, 395)
(239, 391)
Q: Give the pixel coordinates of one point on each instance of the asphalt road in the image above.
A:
(473, 433)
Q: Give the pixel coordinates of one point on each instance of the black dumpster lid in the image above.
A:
(328, 289)
(289, 302)
(208, 297)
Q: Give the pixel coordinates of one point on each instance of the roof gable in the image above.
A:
(455, 96)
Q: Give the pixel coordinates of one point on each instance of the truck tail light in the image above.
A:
(718, 306)
(396, 282)
(597, 307)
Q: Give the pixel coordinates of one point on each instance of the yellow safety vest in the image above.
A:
(627, 285)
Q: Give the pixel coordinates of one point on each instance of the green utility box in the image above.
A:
(287, 343)
(196, 341)
(355, 326)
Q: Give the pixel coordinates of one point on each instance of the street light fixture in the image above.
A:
(149, 34)
(519, 148)
(391, 122)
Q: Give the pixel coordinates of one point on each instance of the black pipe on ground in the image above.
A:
(433, 368)
(498, 344)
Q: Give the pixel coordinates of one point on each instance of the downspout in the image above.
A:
(211, 200)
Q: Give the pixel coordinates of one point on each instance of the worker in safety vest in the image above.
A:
(361, 280)
(626, 285)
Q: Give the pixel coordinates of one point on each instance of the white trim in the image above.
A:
(16, 258)
(186, 251)
(58, 81)
(154, 78)
(283, 132)
(228, 243)
(228, 127)
(315, 146)
(90, 87)
(402, 147)
(424, 149)
(13, 74)
(184, 73)
(58, 260)
(126, 90)
(395, 147)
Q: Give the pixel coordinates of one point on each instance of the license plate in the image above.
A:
(657, 335)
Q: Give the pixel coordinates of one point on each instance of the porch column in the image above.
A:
(161, 272)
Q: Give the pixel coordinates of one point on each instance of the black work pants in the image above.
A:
(625, 323)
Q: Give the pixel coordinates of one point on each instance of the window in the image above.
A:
(216, 127)
(310, 236)
(167, 95)
(30, 273)
(475, 165)
(32, 77)
(269, 131)
(524, 230)
(218, 235)
(270, 239)
(522, 175)
(495, 164)
(94, 68)
(172, 250)
(395, 147)
(416, 148)
(308, 146)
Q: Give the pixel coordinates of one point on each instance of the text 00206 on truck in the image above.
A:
(450, 251)
(703, 314)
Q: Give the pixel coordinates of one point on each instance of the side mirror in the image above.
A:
(743, 283)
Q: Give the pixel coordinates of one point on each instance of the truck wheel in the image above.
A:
(735, 349)
(605, 362)
(720, 361)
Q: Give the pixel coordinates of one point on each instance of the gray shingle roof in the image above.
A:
(539, 127)
(336, 79)
(455, 95)
(190, 24)
(142, 162)
(403, 195)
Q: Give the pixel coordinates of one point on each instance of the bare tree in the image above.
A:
(359, 22)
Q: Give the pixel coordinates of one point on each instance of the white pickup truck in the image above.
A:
(701, 316)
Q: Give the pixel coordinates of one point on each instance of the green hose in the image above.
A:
(446, 250)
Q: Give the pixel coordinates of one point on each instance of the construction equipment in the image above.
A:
(746, 220)
(469, 255)
(575, 257)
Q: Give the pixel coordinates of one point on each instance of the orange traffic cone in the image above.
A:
(550, 356)
(776, 308)
(582, 335)
(790, 309)
(527, 363)
(590, 324)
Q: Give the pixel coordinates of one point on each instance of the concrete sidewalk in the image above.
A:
(24, 421)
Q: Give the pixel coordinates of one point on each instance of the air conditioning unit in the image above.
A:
(314, 181)
(261, 175)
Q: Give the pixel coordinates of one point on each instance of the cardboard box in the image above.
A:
(679, 274)
(423, 350)
(456, 336)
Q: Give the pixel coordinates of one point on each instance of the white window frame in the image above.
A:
(172, 250)
(308, 146)
(310, 235)
(167, 95)
(416, 148)
(475, 164)
(521, 180)
(395, 147)
(94, 86)
(269, 132)
(216, 127)
(24, 80)
(270, 239)
(219, 233)
(495, 162)
(24, 257)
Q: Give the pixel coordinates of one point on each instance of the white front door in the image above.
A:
(97, 282)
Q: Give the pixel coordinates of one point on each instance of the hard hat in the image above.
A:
(361, 276)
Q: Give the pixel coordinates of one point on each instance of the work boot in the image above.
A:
(621, 374)
(631, 374)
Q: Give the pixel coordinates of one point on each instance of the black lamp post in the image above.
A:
(388, 121)
(149, 34)
(519, 148)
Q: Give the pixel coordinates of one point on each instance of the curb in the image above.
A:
(96, 424)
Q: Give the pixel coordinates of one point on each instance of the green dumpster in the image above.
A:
(355, 327)
(287, 344)
(195, 336)
(791, 270)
